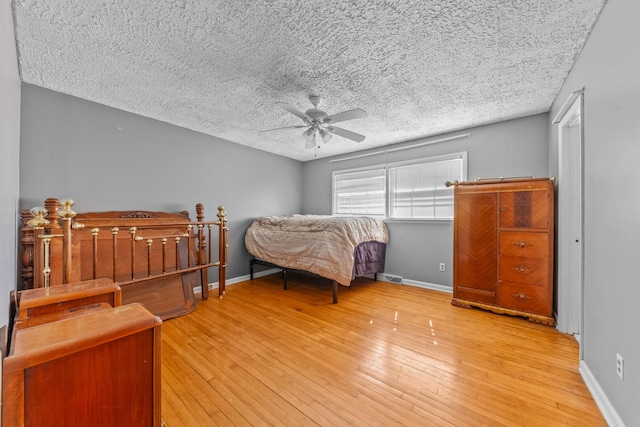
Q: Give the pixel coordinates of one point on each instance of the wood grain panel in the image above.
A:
(81, 381)
(476, 242)
(532, 214)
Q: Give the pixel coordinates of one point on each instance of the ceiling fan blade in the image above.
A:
(284, 128)
(294, 111)
(345, 133)
(357, 113)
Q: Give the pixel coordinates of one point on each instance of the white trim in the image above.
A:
(462, 155)
(569, 312)
(608, 411)
(214, 285)
(450, 138)
(416, 283)
(427, 285)
(567, 104)
(359, 156)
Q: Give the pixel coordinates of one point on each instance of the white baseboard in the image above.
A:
(608, 411)
(427, 285)
(416, 283)
(214, 285)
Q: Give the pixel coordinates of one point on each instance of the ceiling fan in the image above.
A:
(320, 123)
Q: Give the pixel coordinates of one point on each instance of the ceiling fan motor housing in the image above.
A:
(318, 116)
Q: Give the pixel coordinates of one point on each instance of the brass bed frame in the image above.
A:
(155, 257)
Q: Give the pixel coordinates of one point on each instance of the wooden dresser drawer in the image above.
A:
(528, 298)
(532, 245)
(533, 271)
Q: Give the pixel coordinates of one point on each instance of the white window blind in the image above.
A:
(417, 191)
(359, 192)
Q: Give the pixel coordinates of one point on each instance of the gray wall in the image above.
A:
(512, 148)
(608, 69)
(108, 159)
(9, 157)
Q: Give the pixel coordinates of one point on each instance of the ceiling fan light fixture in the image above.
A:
(326, 136)
(309, 136)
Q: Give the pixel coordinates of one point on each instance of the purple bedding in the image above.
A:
(369, 258)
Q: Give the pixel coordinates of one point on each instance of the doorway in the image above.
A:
(570, 214)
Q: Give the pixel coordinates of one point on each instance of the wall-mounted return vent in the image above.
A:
(392, 278)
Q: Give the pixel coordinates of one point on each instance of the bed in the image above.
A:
(157, 258)
(334, 247)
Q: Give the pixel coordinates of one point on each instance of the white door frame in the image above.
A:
(570, 236)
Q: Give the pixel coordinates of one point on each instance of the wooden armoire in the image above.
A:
(503, 247)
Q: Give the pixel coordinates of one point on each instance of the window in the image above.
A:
(406, 190)
(417, 190)
(359, 192)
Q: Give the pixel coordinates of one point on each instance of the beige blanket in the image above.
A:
(319, 244)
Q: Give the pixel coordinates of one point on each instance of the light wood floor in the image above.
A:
(385, 355)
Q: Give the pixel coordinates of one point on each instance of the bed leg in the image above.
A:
(251, 268)
(375, 276)
(335, 292)
(284, 278)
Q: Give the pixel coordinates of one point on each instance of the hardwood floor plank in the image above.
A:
(385, 355)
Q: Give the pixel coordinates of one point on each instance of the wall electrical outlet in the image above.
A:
(442, 267)
(620, 366)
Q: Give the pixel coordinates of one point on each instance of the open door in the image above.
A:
(570, 213)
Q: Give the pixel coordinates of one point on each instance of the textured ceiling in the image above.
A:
(419, 68)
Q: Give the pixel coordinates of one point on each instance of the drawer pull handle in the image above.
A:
(522, 244)
(521, 269)
(521, 296)
(503, 209)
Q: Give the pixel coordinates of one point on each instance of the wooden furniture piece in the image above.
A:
(54, 299)
(157, 258)
(101, 368)
(503, 247)
(44, 305)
